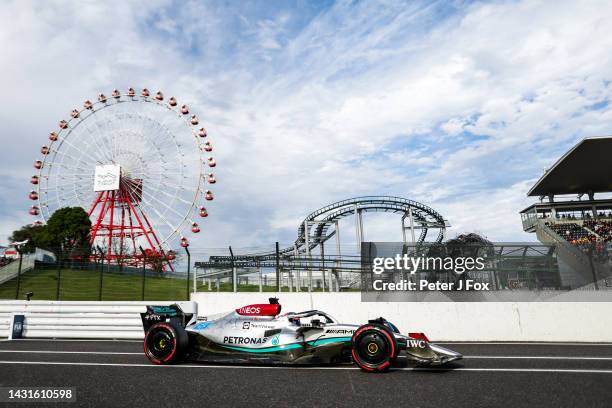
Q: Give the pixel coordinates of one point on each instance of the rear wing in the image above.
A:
(180, 314)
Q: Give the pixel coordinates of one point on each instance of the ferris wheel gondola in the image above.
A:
(149, 153)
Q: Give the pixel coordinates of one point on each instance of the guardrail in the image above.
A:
(85, 320)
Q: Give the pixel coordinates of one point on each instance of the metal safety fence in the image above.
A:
(510, 266)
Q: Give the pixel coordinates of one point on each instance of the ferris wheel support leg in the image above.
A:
(95, 204)
(132, 209)
(96, 227)
(150, 231)
(133, 238)
(122, 237)
(109, 250)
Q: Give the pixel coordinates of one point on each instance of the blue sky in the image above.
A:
(459, 105)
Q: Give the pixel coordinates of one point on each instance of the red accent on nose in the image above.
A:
(419, 336)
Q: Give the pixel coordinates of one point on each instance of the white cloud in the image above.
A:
(358, 99)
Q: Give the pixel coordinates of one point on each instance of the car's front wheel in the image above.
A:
(374, 348)
(165, 343)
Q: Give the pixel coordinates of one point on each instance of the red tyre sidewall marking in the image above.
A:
(153, 359)
(391, 343)
(358, 362)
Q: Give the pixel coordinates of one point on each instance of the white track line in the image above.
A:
(465, 357)
(538, 357)
(519, 370)
(79, 340)
(525, 343)
(70, 352)
(467, 343)
(532, 358)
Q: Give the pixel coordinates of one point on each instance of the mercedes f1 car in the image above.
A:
(259, 333)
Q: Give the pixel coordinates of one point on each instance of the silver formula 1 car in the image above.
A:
(259, 333)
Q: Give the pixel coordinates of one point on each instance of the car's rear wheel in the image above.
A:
(374, 348)
(165, 343)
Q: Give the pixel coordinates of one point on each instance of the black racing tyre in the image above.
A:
(374, 348)
(396, 349)
(165, 343)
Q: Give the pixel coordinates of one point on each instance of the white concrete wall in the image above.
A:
(441, 321)
(445, 321)
(67, 319)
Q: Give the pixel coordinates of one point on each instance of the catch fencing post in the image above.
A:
(18, 272)
(195, 280)
(260, 283)
(59, 274)
(188, 270)
(101, 272)
(278, 283)
(144, 268)
(234, 283)
(96, 262)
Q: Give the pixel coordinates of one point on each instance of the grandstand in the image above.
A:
(574, 212)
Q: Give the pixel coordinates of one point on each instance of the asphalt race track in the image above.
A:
(116, 373)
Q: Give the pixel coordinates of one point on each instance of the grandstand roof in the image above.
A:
(585, 167)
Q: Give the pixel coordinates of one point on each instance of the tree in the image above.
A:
(35, 234)
(123, 251)
(67, 232)
(154, 259)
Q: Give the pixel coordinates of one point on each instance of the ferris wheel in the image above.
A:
(139, 164)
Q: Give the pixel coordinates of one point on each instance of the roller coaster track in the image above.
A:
(319, 222)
